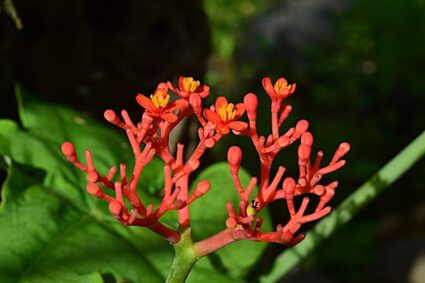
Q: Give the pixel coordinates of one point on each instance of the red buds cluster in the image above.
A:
(149, 137)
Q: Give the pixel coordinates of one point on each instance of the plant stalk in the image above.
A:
(184, 258)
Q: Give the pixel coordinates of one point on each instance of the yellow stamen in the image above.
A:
(190, 85)
(227, 112)
(160, 100)
(281, 85)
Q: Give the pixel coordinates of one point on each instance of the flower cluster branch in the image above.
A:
(149, 137)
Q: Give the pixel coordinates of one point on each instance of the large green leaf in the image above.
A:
(208, 216)
(44, 239)
(51, 230)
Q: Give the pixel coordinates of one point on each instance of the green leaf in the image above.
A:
(7, 130)
(51, 229)
(208, 216)
(44, 239)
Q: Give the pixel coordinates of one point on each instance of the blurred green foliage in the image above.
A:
(361, 80)
(227, 20)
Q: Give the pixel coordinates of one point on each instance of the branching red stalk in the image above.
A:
(150, 137)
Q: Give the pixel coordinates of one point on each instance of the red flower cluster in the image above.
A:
(153, 130)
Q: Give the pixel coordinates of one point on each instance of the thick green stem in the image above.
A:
(184, 258)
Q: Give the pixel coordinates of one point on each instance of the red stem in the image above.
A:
(184, 217)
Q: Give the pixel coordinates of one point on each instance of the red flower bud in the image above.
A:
(196, 102)
(92, 177)
(231, 222)
(68, 150)
(251, 104)
(115, 208)
(111, 117)
(301, 127)
(303, 153)
(202, 188)
(93, 189)
(319, 190)
(289, 187)
(307, 138)
(234, 156)
(343, 149)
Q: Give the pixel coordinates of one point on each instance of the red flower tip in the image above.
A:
(115, 208)
(343, 149)
(231, 222)
(307, 138)
(319, 190)
(301, 127)
(196, 102)
(68, 150)
(93, 189)
(92, 177)
(163, 87)
(251, 102)
(289, 187)
(234, 156)
(304, 151)
(111, 117)
(202, 188)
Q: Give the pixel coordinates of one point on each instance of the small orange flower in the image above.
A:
(225, 115)
(158, 105)
(280, 90)
(188, 86)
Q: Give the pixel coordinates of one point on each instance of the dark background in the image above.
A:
(359, 66)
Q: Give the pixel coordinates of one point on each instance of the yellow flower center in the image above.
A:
(190, 85)
(281, 85)
(160, 100)
(227, 112)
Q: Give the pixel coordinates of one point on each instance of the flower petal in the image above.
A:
(268, 87)
(169, 117)
(170, 86)
(240, 109)
(145, 103)
(177, 104)
(163, 87)
(237, 125)
(181, 82)
(220, 101)
(203, 91)
(211, 116)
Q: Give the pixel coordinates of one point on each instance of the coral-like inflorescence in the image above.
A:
(150, 137)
